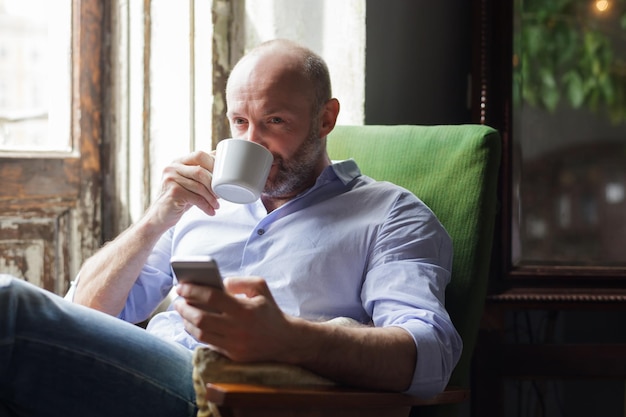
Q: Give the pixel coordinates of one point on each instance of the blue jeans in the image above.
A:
(62, 359)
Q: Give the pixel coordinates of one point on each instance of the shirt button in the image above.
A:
(260, 232)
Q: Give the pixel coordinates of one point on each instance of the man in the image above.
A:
(322, 242)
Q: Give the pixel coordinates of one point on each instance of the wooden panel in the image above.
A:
(259, 401)
(38, 182)
(315, 412)
(34, 246)
(563, 361)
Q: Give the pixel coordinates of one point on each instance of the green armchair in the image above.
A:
(454, 170)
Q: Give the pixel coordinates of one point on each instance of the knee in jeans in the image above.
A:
(13, 287)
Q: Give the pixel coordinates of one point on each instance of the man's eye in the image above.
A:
(276, 120)
(239, 121)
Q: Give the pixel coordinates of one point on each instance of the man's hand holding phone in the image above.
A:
(238, 318)
(201, 285)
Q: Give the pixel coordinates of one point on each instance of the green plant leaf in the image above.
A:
(566, 53)
(575, 90)
(550, 98)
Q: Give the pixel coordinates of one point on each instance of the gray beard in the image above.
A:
(295, 174)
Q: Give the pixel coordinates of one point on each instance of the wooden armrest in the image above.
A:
(248, 395)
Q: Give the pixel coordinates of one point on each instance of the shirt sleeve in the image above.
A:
(153, 284)
(408, 272)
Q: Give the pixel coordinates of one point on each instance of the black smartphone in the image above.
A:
(201, 270)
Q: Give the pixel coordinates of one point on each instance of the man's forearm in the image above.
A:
(107, 277)
(378, 358)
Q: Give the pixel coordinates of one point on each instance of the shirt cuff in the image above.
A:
(435, 360)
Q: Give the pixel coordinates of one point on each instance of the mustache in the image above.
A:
(279, 161)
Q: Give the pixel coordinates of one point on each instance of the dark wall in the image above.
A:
(418, 62)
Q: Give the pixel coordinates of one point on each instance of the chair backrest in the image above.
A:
(454, 170)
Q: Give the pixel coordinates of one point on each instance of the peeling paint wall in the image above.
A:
(23, 259)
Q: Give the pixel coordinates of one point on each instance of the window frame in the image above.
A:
(492, 97)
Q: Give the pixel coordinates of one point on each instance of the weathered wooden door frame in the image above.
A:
(50, 203)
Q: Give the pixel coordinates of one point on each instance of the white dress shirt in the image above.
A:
(347, 247)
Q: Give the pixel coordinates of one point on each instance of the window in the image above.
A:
(569, 129)
(555, 87)
(35, 73)
(51, 108)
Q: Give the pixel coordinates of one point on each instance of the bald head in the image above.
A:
(288, 59)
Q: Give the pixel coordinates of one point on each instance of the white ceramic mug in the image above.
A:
(240, 171)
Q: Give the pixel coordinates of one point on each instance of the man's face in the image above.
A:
(272, 105)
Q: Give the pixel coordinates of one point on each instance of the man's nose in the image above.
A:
(254, 134)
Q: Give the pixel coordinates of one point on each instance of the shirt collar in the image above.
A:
(345, 170)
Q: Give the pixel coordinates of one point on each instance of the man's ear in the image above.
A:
(329, 116)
